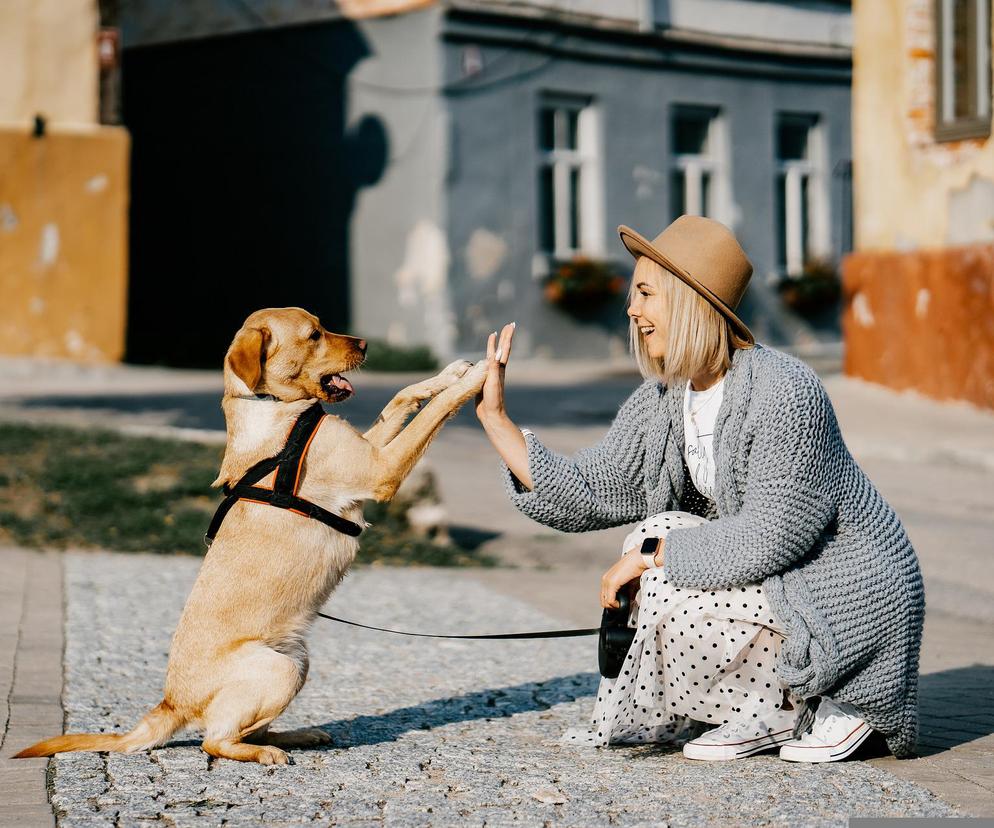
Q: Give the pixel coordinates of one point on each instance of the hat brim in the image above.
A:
(638, 245)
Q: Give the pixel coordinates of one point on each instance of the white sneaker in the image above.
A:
(741, 738)
(837, 731)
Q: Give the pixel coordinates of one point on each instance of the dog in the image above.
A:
(238, 656)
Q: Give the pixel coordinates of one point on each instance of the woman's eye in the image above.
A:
(643, 293)
(315, 336)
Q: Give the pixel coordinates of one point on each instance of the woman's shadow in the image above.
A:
(956, 706)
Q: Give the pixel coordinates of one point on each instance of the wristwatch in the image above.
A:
(648, 551)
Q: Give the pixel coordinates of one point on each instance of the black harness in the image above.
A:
(283, 495)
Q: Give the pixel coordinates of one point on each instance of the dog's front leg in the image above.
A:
(398, 457)
(408, 400)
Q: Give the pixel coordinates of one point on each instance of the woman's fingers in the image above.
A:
(609, 593)
(506, 335)
(504, 344)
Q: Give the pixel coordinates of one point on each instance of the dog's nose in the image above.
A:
(361, 345)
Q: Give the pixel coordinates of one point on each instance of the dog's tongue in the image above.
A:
(341, 382)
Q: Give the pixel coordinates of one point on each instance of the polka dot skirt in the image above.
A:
(698, 658)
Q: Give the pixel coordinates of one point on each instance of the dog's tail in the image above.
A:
(156, 727)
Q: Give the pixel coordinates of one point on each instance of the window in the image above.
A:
(696, 161)
(568, 178)
(802, 224)
(963, 69)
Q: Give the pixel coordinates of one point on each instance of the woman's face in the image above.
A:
(649, 310)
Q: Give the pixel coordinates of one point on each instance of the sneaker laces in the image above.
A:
(829, 713)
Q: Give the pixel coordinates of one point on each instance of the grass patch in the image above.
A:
(63, 487)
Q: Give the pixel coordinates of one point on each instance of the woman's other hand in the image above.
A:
(628, 570)
(490, 400)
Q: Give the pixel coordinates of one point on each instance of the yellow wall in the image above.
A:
(63, 243)
(49, 50)
(909, 191)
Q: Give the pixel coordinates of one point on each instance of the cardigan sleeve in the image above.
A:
(787, 503)
(600, 486)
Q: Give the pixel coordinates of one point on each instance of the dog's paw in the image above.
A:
(477, 374)
(315, 737)
(304, 738)
(269, 755)
(455, 371)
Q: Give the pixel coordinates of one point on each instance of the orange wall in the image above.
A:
(923, 321)
(63, 242)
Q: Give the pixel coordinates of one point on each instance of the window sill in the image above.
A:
(962, 130)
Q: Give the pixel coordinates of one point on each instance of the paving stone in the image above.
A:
(425, 732)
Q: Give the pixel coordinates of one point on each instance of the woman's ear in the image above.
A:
(247, 354)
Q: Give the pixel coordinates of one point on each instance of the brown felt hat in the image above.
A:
(704, 254)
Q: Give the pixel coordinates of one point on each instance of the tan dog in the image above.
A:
(238, 656)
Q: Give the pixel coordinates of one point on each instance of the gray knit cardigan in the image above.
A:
(795, 512)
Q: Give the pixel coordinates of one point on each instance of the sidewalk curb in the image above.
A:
(30, 680)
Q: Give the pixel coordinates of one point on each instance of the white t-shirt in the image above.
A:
(700, 409)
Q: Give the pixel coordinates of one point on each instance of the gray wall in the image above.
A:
(491, 187)
(400, 253)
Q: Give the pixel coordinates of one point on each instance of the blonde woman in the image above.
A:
(779, 598)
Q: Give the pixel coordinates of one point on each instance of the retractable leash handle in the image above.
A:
(615, 637)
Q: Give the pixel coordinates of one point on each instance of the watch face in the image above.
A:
(650, 545)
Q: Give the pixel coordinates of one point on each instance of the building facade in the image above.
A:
(419, 176)
(920, 286)
(63, 188)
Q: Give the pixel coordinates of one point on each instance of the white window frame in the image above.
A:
(947, 125)
(714, 161)
(586, 158)
(813, 168)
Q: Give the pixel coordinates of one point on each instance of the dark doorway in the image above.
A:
(243, 181)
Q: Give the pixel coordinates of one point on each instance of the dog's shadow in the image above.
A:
(482, 704)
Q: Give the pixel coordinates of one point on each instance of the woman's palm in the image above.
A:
(490, 400)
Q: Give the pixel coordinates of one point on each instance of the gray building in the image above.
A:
(416, 177)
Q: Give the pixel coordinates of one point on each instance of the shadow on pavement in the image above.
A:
(484, 704)
(585, 404)
(956, 706)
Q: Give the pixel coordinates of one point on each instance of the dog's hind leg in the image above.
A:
(258, 688)
(304, 738)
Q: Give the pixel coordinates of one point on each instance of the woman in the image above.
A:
(788, 577)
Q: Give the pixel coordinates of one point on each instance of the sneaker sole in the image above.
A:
(828, 753)
(724, 753)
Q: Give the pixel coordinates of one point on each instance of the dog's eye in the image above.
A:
(315, 336)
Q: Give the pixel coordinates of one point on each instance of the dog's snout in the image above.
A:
(361, 345)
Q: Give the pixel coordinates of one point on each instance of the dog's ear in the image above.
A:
(247, 355)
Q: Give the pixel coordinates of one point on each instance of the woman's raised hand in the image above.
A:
(490, 400)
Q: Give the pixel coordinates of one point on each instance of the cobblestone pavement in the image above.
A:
(425, 732)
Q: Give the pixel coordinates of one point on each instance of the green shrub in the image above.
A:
(382, 356)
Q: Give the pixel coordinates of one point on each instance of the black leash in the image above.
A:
(614, 635)
(541, 634)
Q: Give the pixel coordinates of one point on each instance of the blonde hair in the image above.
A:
(699, 338)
